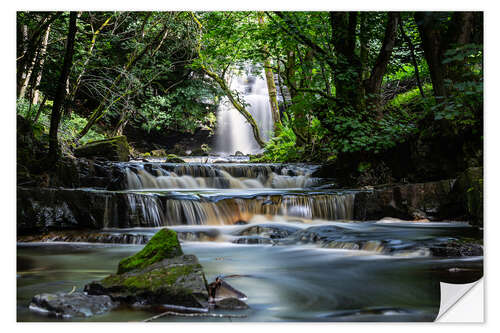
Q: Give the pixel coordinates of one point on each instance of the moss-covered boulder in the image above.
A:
(158, 274)
(164, 244)
(113, 149)
(172, 158)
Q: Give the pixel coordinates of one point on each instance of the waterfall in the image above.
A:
(233, 132)
(156, 211)
(215, 176)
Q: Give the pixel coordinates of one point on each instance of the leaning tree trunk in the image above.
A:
(55, 117)
(102, 107)
(222, 84)
(237, 105)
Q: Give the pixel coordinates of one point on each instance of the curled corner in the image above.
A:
(451, 299)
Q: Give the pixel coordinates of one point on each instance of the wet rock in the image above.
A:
(466, 198)
(172, 158)
(231, 303)
(404, 201)
(238, 153)
(113, 149)
(85, 236)
(252, 240)
(200, 236)
(76, 304)
(456, 248)
(158, 274)
(268, 230)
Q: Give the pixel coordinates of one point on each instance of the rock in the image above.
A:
(404, 201)
(467, 196)
(69, 305)
(231, 303)
(84, 236)
(158, 274)
(172, 158)
(113, 149)
(158, 153)
(456, 248)
(238, 153)
(163, 245)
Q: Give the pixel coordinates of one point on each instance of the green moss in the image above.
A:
(114, 149)
(410, 96)
(150, 281)
(172, 158)
(164, 244)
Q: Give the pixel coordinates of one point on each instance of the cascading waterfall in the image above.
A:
(203, 176)
(233, 131)
(155, 211)
(162, 208)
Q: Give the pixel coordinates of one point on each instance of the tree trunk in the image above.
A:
(348, 67)
(43, 50)
(413, 57)
(374, 83)
(40, 109)
(437, 38)
(55, 117)
(89, 56)
(241, 109)
(24, 63)
(430, 33)
(271, 86)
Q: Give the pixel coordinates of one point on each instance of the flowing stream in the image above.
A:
(272, 231)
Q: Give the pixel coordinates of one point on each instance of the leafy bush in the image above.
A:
(68, 128)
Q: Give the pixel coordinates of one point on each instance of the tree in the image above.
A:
(440, 33)
(61, 91)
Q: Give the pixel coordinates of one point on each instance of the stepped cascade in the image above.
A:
(161, 194)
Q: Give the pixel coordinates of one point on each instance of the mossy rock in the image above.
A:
(177, 281)
(164, 244)
(172, 158)
(113, 149)
(158, 153)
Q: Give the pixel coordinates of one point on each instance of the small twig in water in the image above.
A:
(178, 314)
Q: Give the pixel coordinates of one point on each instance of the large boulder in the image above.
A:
(405, 201)
(70, 305)
(113, 149)
(158, 274)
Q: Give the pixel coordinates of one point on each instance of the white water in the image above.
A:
(233, 131)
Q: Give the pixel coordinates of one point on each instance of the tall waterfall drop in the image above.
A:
(234, 133)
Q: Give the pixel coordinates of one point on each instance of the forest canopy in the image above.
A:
(359, 83)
